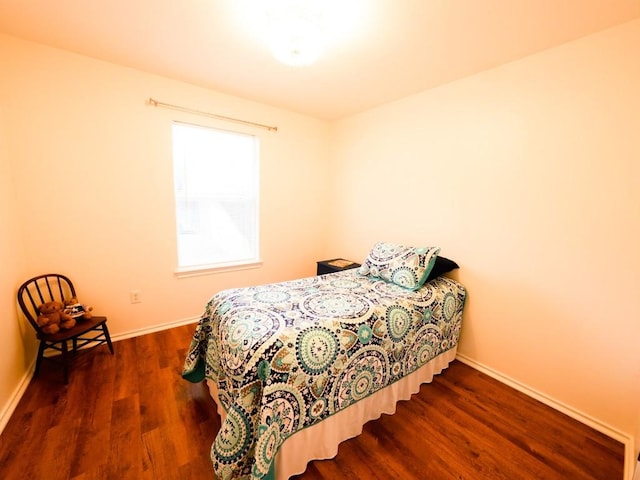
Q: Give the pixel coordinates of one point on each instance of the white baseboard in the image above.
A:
(17, 394)
(155, 328)
(624, 438)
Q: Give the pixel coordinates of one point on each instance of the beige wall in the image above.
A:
(528, 176)
(14, 357)
(92, 163)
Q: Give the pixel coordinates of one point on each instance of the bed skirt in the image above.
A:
(321, 441)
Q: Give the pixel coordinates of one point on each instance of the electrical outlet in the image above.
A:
(134, 296)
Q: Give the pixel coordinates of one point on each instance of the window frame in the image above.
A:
(218, 267)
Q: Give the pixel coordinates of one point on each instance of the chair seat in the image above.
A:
(81, 327)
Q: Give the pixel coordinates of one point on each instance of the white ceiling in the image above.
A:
(380, 50)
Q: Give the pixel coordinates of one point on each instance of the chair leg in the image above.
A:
(106, 335)
(39, 358)
(65, 362)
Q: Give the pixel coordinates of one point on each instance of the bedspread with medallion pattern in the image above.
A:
(285, 356)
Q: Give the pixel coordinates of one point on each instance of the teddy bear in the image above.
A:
(52, 317)
(77, 310)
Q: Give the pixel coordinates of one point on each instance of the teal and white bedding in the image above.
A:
(285, 356)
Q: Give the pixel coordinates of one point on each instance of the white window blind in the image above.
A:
(216, 194)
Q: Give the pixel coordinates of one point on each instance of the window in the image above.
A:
(216, 194)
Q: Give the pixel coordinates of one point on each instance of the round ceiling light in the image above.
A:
(295, 34)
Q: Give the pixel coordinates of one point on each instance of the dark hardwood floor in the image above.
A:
(131, 416)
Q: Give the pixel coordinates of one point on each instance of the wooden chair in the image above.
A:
(56, 287)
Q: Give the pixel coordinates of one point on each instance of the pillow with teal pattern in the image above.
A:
(402, 265)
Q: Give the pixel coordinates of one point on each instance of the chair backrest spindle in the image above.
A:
(41, 289)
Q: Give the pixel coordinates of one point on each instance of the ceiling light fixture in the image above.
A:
(296, 34)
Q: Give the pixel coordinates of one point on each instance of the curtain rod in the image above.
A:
(156, 103)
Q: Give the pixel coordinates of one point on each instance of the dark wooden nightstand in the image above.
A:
(335, 265)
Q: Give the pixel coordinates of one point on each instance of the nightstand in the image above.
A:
(335, 265)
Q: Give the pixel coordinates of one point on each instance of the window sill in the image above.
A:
(213, 269)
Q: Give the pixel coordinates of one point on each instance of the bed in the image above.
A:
(297, 367)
